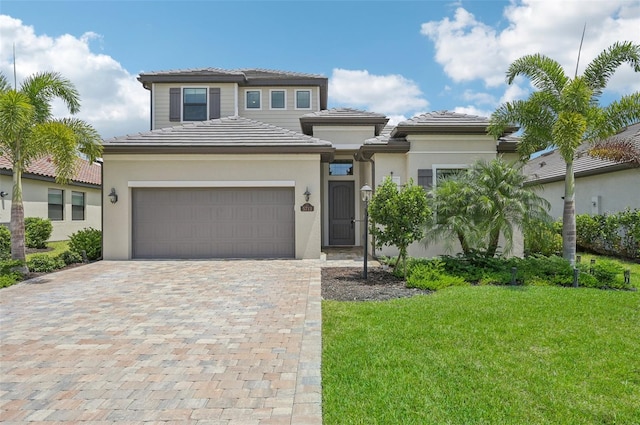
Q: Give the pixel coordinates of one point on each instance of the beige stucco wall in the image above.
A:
(123, 172)
(435, 152)
(160, 101)
(344, 137)
(35, 201)
(613, 192)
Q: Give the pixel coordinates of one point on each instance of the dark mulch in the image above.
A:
(347, 284)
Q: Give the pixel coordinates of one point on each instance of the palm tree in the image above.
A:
(482, 203)
(564, 113)
(28, 131)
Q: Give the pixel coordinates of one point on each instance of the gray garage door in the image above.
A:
(213, 223)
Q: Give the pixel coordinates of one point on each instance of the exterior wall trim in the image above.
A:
(212, 183)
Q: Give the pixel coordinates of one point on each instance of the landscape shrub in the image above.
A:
(70, 257)
(615, 234)
(9, 279)
(542, 238)
(604, 274)
(431, 275)
(43, 263)
(5, 243)
(37, 231)
(8, 266)
(88, 240)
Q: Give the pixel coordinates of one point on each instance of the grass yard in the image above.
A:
(634, 267)
(57, 248)
(484, 355)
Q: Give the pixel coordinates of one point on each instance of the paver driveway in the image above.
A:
(203, 342)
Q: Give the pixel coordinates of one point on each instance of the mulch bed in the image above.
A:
(347, 284)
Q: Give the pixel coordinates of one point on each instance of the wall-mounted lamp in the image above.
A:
(113, 196)
(307, 194)
(3, 194)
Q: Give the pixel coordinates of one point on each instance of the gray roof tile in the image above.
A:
(550, 166)
(342, 116)
(223, 132)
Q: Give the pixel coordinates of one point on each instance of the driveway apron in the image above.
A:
(201, 342)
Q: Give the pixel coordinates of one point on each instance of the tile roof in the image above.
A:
(444, 122)
(223, 132)
(89, 173)
(550, 166)
(247, 73)
(342, 116)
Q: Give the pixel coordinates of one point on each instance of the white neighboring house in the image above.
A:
(71, 207)
(601, 186)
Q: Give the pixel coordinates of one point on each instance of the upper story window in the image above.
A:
(253, 99)
(55, 201)
(278, 99)
(303, 99)
(194, 106)
(341, 167)
(77, 205)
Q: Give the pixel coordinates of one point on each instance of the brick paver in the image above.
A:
(200, 342)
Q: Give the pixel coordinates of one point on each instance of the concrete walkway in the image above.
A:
(184, 342)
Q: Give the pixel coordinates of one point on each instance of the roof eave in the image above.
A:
(367, 151)
(586, 173)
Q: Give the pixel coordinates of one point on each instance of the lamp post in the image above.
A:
(366, 197)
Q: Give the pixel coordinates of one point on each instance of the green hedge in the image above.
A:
(37, 232)
(615, 234)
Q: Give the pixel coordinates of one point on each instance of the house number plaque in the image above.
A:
(306, 207)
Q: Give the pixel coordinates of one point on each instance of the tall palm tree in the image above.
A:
(28, 131)
(484, 202)
(565, 112)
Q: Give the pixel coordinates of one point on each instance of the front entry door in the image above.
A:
(341, 213)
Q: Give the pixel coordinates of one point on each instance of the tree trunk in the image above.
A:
(569, 217)
(17, 219)
(494, 239)
(463, 244)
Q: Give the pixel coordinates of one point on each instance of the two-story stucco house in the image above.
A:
(251, 164)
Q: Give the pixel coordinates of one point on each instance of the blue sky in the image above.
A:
(399, 58)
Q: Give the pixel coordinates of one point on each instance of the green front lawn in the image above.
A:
(484, 355)
(55, 248)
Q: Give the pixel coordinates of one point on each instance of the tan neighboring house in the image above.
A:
(601, 186)
(71, 207)
(251, 164)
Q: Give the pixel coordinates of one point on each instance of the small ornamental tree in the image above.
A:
(397, 216)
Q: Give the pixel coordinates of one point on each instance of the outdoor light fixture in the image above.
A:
(306, 194)
(3, 194)
(366, 191)
(113, 196)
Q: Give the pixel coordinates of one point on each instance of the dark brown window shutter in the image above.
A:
(425, 178)
(175, 101)
(214, 103)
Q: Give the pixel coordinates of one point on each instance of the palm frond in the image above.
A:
(621, 151)
(545, 73)
(602, 68)
(4, 84)
(42, 88)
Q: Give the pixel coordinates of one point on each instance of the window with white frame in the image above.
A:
(303, 99)
(55, 201)
(278, 99)
(429, 177)
(77, 205)
(253, 99)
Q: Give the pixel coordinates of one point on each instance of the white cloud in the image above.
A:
(472, 110)
(387, 94)
(111, 98)
(471, 50)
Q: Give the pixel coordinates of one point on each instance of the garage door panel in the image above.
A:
(213, 222)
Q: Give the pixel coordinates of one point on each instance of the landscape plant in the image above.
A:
(28, 131)
(37, 232)
(5, 243)
(615, 234)
(43, 263)
(397, 215)
(565, 112)
(87, 242)
(482, 203)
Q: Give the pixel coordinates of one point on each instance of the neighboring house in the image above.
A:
(601, 186)
(251, 163)
(71, 207)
